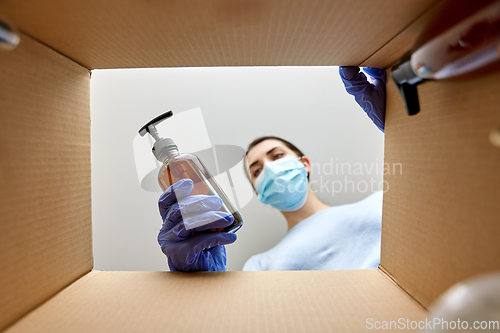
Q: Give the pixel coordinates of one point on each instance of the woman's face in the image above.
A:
(267, 151)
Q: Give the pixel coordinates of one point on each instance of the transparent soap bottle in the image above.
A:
(177, 166)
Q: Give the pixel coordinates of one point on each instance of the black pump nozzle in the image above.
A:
(162, 146)
(150, 127)
(406, 80)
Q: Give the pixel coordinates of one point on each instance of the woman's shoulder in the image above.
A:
(367, 210)
(372, 201)
(262, 261)
(257, 262)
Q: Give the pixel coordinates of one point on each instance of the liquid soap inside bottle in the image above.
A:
(182, 166)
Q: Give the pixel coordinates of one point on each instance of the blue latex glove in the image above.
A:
(370, 96)
(183, 214)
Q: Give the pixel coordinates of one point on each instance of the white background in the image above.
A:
(305, 105)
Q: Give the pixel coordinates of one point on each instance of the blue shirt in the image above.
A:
(339, 237)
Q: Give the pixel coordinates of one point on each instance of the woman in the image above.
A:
(318, 236)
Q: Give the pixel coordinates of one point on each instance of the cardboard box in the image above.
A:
(440, 216)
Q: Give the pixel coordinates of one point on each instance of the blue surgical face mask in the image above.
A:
(283, 184)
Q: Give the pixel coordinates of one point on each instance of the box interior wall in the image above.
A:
(440, 216)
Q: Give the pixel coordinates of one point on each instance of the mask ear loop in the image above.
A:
(299, 159)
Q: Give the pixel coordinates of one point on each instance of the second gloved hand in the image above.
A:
(182, 215)
(370, 96)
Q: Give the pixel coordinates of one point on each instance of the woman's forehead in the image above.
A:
(259, 150)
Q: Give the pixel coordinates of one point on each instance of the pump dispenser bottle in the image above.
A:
(177, 166)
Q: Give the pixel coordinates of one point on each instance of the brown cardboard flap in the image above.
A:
(45, 207)
(130, 33)
(441, 216)
(392, 51)
(293, 301)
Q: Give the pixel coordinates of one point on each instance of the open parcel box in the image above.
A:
(441, 216)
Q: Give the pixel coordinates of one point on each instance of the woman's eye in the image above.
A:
(277, 156)
(256, 172)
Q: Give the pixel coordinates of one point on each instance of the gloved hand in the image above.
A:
(370, 96)
(183, 214)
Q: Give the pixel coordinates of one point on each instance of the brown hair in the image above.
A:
(269, 137)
